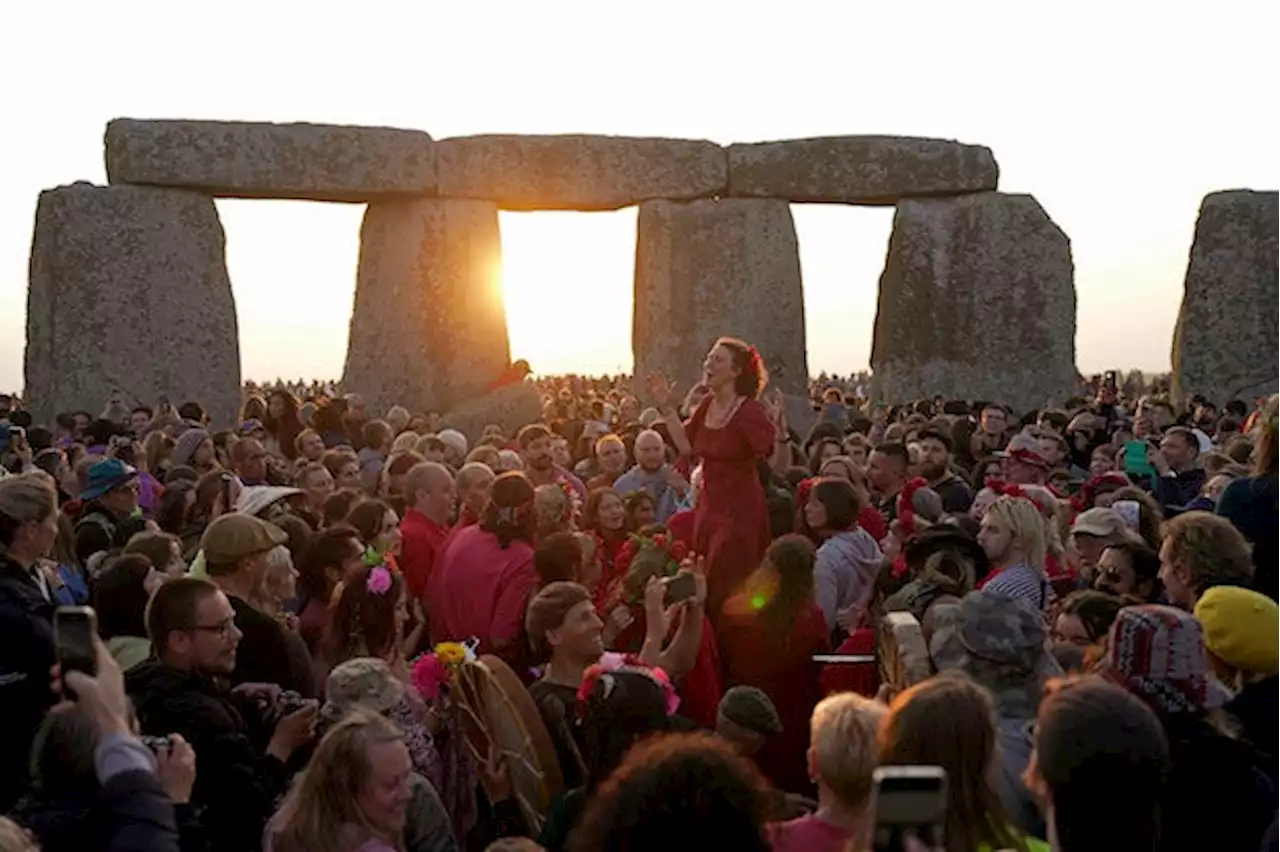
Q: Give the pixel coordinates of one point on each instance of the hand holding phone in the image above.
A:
(74, 630)
(681, 587)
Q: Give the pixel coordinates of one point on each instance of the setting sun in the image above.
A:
(566, 281)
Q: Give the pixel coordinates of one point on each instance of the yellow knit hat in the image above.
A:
(1241, 628)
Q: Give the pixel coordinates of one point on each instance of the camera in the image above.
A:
(157, 744)
(291, 702)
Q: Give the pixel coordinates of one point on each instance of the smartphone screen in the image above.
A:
(74, 628)
(680, 587)
(910, 801)
(1135, 458)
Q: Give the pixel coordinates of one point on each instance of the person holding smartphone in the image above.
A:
(28, 528)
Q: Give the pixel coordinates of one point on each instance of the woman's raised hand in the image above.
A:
(661, 388)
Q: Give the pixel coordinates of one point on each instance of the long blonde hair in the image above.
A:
(1027, 526)
(323, 801)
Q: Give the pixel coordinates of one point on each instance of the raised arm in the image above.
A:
(662, 392)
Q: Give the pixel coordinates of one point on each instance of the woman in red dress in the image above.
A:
(728, 432)
(768, 635)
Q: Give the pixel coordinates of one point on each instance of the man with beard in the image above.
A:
(534, 441)
(652, 474)
(240, 756)
(935, 466)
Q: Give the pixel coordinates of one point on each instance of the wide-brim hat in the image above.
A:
(256, 498)
(1024, 447)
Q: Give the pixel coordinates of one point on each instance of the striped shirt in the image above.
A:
(1022, 581)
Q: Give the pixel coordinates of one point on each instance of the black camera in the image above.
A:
(291, 702)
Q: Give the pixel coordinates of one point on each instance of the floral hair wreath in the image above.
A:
(612, 663)
(512, 515)
(1004, 489)
(754, 362)
(675, 551)
(574, 501)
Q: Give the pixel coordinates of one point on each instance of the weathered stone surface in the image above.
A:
(578, 172)
(860, 169)
(976, 301)
(1224, 344)
(129, 296)
(241, 159)
(428, 329)
(510, 407)
(706, 269)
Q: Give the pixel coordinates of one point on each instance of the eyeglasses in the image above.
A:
(222, 630)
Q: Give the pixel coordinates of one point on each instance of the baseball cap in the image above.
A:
(235, 536)
(1099, 522)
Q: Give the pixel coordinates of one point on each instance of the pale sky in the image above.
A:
(1118, 117)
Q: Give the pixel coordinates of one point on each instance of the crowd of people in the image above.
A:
(694, 597)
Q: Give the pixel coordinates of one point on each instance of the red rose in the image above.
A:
(660, 540)
(679, 550)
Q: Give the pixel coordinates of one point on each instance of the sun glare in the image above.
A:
(567, 285)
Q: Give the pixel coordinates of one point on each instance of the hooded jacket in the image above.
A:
(844, 573)
(237, 783)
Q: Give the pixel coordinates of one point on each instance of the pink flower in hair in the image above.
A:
(379, 582)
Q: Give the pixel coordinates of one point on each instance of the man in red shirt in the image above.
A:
(429, 496)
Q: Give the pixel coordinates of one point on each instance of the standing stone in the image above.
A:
(578, 172)
(976, 302)
(428, 329)
(249, 159)
(860, 169)
(706, 269)
(1224, 344)
(129, 297)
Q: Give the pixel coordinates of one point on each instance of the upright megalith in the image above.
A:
(860, 169)
(976, 301)
(708, 268)
(1224, 344)
(428, 329)
(129, 297)
(254, 159)
(578, 172)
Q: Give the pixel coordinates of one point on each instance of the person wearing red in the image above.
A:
(429, 497)
(728, 432)
(768, 635)
(484, 576)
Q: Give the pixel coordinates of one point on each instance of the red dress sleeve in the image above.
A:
(756, 427)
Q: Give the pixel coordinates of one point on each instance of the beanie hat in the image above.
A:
(1157, 653)
(750, 708)
(1241, 628)
(186, 446)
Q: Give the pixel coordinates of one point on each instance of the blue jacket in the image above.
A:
(26, 657)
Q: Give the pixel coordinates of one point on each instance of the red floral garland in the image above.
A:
(907, 506)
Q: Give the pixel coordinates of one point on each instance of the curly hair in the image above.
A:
(677, 792)
(1210, 548)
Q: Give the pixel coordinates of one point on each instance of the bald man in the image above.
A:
(429, 498)
(654, 475)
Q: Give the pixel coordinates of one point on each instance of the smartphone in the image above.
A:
(910, 801)
(74, 629)
(681, 587)
(1135, 458)
(1109, 380)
